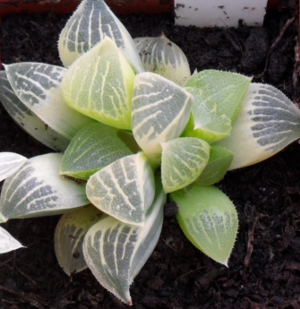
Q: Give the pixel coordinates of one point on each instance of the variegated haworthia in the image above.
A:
(9, 163)
(29, 121)
(36, 189)
(160, 55)
(124, 189)
(160, 111)
(267, 122)
(37, 85)
(100, 84)
(115, 251)
(89, 25)
(7, 242)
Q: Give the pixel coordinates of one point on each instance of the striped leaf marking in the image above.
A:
(7, 242)
(115, 251)
(90, 24)
(267, 122)
(37, 85)
(160, 111)
(183, 160)
(92, 148)
(69, 235)
(123, 189)
(100, 84)
(36, 189)
(208, 219)
(28, 121)
(223, 90)
(160, 55)
(9, 163)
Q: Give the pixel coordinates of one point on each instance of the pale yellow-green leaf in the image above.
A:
(124, 189)
(208, 219)
(183, 160)
(69, 234)
(99, 84)
(160, 111)
(206, 122)
(160, 55)
(223, 90)
(217, 166)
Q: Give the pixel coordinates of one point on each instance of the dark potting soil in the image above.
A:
(264, 269)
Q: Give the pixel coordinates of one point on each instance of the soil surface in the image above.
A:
(264, 269)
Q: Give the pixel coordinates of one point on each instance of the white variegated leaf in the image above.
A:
(9, 163)
(160, 111)
(160, 55)
(27, 120)
(37, 85)
(124, 189)
(267, 122)
(36, 190)
(115, 251)
(183, 160)
(69, 234)
(7, 242)
(90, 23)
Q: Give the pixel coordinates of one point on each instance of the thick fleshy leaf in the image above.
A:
(91, 23)
(9, 163)
(37, 85)
(69, 235)
(100, 84)
(7, 242)
(95, 146)
(267, 122)
(206, 121)
(208, 219)
(222, 90)
(183, 160)
(115, 252)
(160, 55)
(28, 121)
(36, 190)
(123, 189)
(217, 166)
(160, 111)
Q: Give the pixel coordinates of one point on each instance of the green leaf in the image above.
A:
(92, 148)
(7, 242)
(100, 84)
(37, 85)
(36, 190)
(183, 160)
(69, 235)
(160, 55)
(160, 111)
(218, 164)
(208, 219)
(9, 163)
(90, 24)
(123, 189)
(115, 252)
(223, 90)
(27, 120)
(267, 122)
(206, 120)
